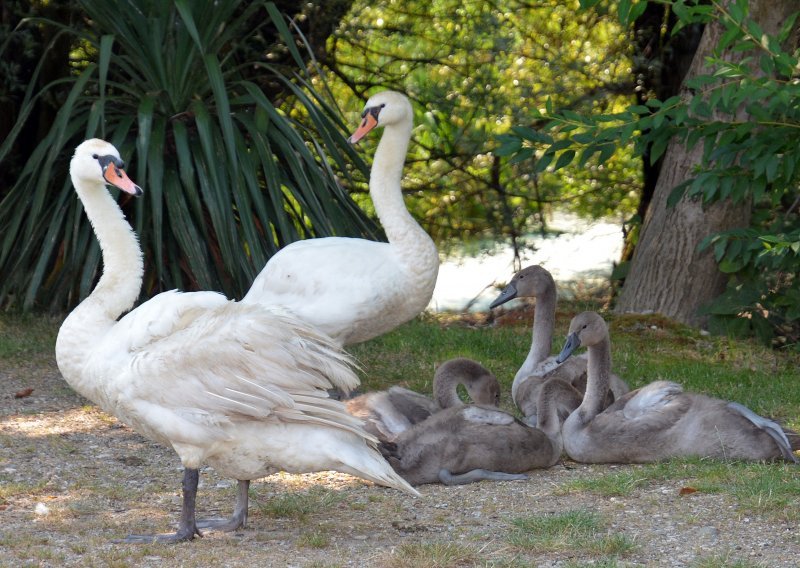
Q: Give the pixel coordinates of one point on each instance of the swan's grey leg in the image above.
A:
(477, 475)
(770, 427)
(187, 527)
(239, 518)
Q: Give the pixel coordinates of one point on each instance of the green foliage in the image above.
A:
(474, 70)
(228, 176)
(745, 116)
(762, 297)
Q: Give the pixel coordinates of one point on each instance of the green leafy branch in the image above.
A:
(746, 117)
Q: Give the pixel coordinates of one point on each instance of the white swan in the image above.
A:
(539, 366)
(388, 412)
(658, 421)
(239, 387)
(355, 289)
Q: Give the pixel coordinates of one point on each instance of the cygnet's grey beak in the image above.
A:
(573, 342)
(508, 293)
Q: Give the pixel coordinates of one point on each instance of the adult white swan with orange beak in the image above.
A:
(240, 387)
(356, 289)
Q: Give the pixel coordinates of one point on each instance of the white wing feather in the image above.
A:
(224, 362)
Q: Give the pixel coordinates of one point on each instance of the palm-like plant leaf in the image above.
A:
(229, 178)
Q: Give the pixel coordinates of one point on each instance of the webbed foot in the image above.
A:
(239, 518)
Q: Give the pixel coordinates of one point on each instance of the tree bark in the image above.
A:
(661, 60)
(668, 275)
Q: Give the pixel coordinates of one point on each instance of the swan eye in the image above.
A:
(95, 156)
(383, 105)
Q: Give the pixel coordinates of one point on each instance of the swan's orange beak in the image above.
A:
(117, 177)
(369, 122)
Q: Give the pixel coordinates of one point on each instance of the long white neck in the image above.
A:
(117, 289)
(597, 381)
(412, 245)
(542, 333)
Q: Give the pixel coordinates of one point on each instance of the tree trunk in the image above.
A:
(661, 60)
(667, 274)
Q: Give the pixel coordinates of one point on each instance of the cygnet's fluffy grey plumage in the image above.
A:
(467, 443)
(387, 413)
(658, 421)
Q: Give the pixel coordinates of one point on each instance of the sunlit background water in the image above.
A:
(584, 251)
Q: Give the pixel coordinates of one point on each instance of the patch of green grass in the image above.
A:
(600, 563)
(108, 489)
(431, 555)
(27, 336)
(624, 481)
(578, 531)
(609, 485)
(15, 488)
(317, 539)
(725, 562)
(759, 488)
(298, 505)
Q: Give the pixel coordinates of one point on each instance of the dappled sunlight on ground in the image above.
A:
(54, 423)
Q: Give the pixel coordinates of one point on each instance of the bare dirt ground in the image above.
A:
(72, 479)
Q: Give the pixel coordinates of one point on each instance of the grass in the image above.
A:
(645, 348)
(599, 563)
(297, 505)
(579, 532)
(27, 336)
(760, 488)
(432, 555)
(725, 562)
(319, 538)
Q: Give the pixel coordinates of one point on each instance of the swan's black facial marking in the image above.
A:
(108, 160)
(113, 169)
(372, 111)
(368, 122)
